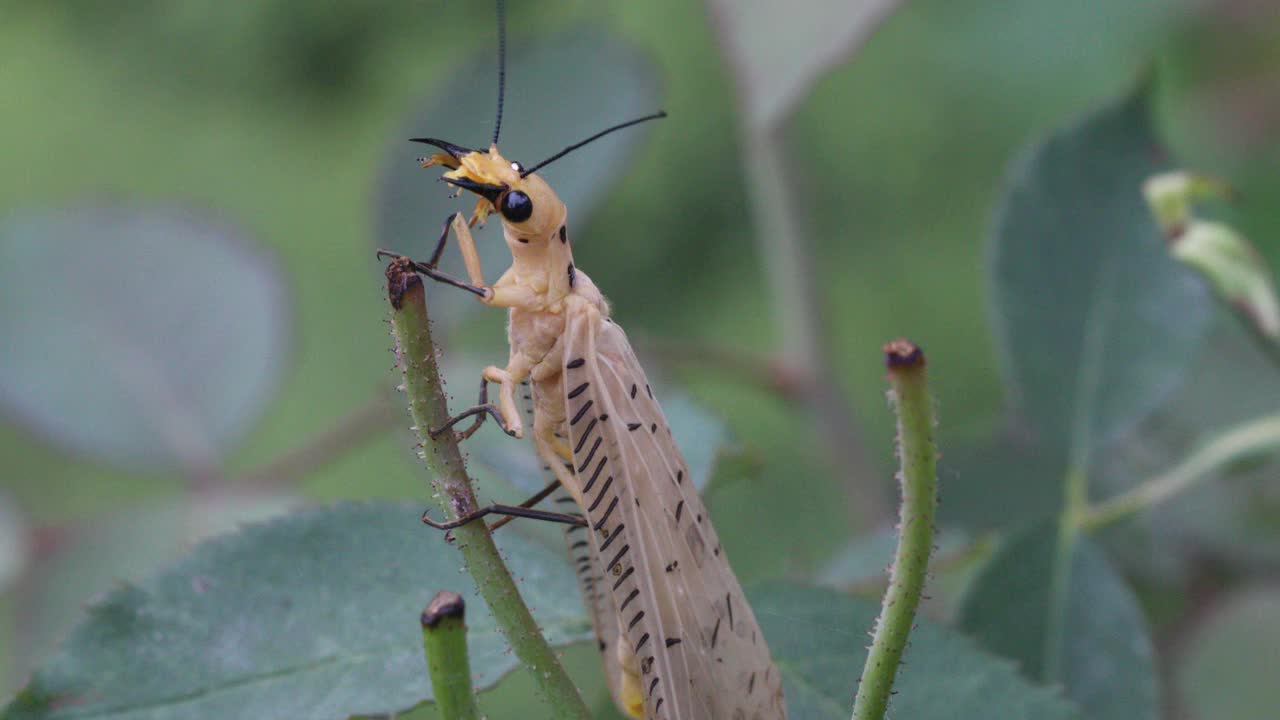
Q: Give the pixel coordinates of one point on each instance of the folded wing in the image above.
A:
(699, 652)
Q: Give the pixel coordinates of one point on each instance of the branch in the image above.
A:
(1247, 439)
(919, 456)
(416, 356)
(444, 640)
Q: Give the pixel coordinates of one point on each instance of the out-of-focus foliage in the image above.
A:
(153, 337)
(1096, 324)
(298, 617)
(1062, 612)
(944, 674)
(286, 120)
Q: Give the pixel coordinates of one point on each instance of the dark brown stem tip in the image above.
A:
(445, 604)
(402, 278)
(902, 354)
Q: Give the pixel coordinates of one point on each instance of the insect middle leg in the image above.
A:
(524, 510)
(555, 453)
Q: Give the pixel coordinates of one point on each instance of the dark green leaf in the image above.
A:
(819, 637)
(1066, 616)
(1097, 324)
(1025, 475)
(146, 337)
(98, 553)
(1228, 669)
(1235, 513)
(558, 92)
(312, 615)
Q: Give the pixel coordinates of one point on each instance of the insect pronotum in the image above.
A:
(678, 638)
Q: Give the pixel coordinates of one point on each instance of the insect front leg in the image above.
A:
(470, 257)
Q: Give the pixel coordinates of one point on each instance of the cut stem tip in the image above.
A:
(444, 605)
(902, 354)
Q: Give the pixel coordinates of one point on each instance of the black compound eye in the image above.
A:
(516, 206)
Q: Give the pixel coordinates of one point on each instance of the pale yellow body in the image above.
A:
(679, 641)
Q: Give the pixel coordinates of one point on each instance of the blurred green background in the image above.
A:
(279, 123)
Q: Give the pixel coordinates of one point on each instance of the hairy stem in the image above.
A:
(416, 355)
(918, 476)
(444, 640)
(1250, 438)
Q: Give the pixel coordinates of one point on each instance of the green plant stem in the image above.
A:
(444, 641)
(918, 476)
(1246, 439)
(416, 355)
(790, 272)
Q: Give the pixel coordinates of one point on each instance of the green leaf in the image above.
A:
(145, 337)
(312, 615)
(818, 639)
(1023, 472)
(1097, 323)
(1239, 274)
(1235, 513)
(1068, 618)
(1227, 671)
(99, 553)
(559, 91)
(779, 50)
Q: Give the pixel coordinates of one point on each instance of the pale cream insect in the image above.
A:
(678, 637)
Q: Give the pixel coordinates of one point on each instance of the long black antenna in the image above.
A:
(593, 138)
(502, 67)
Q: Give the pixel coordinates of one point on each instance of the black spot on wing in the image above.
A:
(608, 511)
(625, 574)
(583, 411)
(586, 434)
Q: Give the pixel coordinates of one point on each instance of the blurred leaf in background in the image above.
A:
(313, 627)
(145, 337)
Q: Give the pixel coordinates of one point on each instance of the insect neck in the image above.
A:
(550, 257)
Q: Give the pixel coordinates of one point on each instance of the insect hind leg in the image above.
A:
(483, 408)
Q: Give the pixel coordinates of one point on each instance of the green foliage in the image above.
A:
(1227, 670)
(314, 614)
(776, 69)
(818, 639)
(1056, 605)
(1097, 325)
(147, 336)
